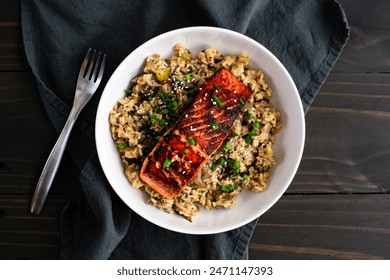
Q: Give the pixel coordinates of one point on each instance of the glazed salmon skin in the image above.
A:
(187, 146)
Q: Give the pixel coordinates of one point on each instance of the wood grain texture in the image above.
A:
(367, 48)
(12, 56)
(25, 236)
(348, 128)
(324, 227)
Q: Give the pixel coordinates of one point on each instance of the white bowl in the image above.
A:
(287, 149)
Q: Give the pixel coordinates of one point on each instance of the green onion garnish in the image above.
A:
(241, 101)
(214, 126)
(165, 111)
(155, 109)
(161, 95)
(175, 104)
(216, 99)
(191, 91)
(216, 86)
(167, 163)
(224, 188)
(249, 116)
(186, 150)
(158, 137)
(256, 124)
(245, 176)
(188, 77)
(235, 133)
(191, 141)
(252, 133)
(222, 161)
(153, 118)
(121, 145)
(248, 139)
(128, 91)
(226, 148)
(163, 122)
(213, 167)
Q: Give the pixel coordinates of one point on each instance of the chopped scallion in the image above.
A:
(121, 145)
(153, 118)
(241, 102)
(161, 95)
(158, 137)
(155, 109)
(167, 163)
(224, 188)
(256, 124)
(245, 176)
(191, 141)
(226, 148)
(216, 99)
(128, 91)
(216, 86)
(188, 77)
(214, 126)
(186, 150)
(249, 116)
(163, 122)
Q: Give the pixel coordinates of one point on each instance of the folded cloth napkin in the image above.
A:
(307, 36)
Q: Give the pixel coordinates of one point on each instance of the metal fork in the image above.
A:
(90, 75)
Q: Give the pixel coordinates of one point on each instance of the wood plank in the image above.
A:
(27, 138)
(12, 55)
(26, 236)
(342, 227)
(347, 126)
(366, 51)
(324, 227)
(367, 48)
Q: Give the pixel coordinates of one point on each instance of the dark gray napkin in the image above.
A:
(307, 36)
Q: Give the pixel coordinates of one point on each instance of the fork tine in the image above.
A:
(91, 63)
(101, 69)
(98, 65)
(84, 64)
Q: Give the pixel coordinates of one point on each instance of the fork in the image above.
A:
(89, 78)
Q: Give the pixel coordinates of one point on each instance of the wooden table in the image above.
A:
(338, 206)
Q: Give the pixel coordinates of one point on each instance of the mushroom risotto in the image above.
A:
(155, 100)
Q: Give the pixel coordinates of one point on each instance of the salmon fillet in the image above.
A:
(187, 146)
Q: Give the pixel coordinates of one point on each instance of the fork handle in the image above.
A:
(53, 162)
